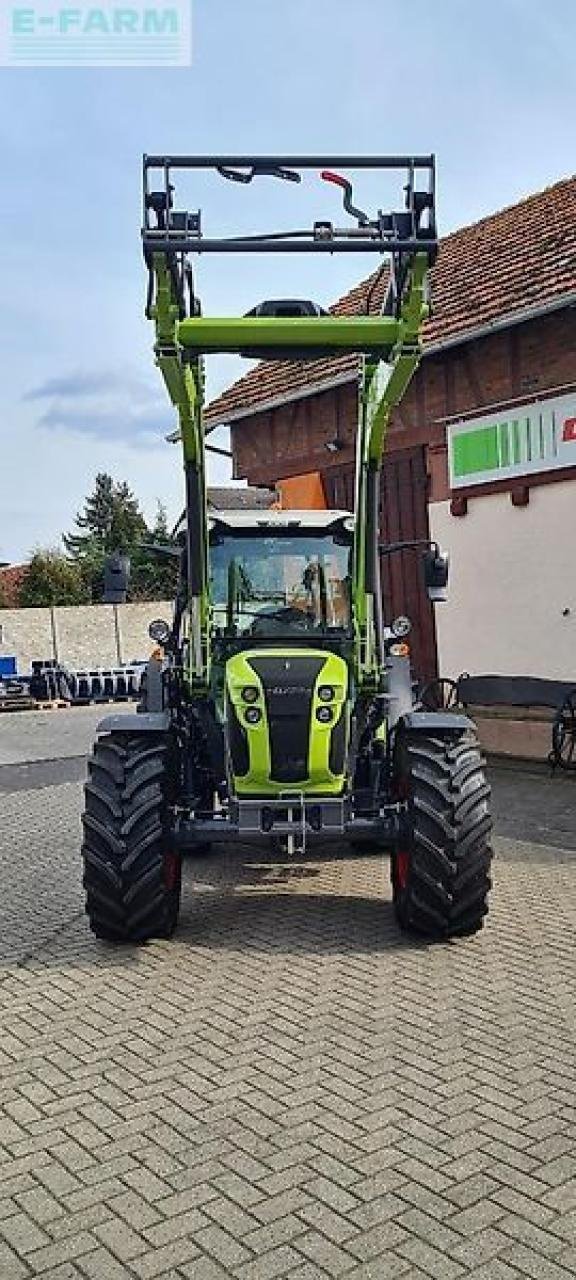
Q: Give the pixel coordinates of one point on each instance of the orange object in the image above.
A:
(302, 493)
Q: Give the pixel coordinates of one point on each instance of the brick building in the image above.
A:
(481, 453)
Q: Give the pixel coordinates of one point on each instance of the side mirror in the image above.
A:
(436, 569)
(116, 578)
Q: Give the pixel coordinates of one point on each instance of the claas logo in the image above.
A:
(569, 431)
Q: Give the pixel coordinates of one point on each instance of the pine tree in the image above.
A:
(111, 521)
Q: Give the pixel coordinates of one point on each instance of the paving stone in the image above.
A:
(283, 1089)
(328, 1256)
(222, 1246)
(102, 1265)
(279, 1231)
(532, 1264)
(122, 1241)
(11, 1266)
(40, 1205)
(22, 1233)
(481, 1248)
(274, 1264)
(430, 1260)
(64, 1251)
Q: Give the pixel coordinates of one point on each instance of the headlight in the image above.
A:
(159, 631)
(250, 693)
(252, 715)
(400, 627)
(326, 693)
(324, 714)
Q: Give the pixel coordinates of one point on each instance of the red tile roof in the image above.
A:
(11, 579)
(520, 258)
(234, 498)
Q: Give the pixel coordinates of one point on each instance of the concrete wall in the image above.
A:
(512, 575)
(80, 636)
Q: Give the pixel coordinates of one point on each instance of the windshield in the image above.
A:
(276, 584)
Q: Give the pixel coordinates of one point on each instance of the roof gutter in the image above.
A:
(434, 348)
(502, 322)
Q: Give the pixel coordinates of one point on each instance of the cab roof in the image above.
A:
(269, 519)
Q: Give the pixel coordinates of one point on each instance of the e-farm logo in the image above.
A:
(85, 33)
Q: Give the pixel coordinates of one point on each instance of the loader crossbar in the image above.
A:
(167, 230)
(372, 334)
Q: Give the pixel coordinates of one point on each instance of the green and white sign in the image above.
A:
(533, 437)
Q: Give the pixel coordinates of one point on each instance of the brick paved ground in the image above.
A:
(288, 1088)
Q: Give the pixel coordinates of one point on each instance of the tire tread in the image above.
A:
(125, 840)
(447, 830)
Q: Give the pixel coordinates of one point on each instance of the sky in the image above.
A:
(488, 87)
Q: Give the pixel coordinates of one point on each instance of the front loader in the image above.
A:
(283, 708)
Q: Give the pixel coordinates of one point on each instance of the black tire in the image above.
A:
(441, 865)
(132, 873)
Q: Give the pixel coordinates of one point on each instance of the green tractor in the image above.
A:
(283, 709)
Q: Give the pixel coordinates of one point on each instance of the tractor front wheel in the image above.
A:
(132, 873)
(441, 864)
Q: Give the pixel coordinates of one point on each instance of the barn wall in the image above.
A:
(520, 362)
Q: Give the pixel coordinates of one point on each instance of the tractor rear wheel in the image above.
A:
(441, 865)
(132, 873)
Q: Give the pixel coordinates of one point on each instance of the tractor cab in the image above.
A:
(280, 590)
(280, 577)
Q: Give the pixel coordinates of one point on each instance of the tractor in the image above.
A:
(282, 707)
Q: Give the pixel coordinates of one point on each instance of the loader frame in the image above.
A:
(388, 344)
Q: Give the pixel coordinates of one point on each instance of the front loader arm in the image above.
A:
(382, 385)
(184, 379)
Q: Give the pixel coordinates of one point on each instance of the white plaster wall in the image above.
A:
(512, 573)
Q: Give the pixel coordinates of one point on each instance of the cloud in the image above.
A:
(105, 405)
(71, 386)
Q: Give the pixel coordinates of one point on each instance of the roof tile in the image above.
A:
(523, 256)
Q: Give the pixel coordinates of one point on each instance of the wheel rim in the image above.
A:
(402, 867)
(171, 869)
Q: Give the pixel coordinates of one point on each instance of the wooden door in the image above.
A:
(403, 516)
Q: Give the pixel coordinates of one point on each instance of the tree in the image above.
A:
(111, 521)
(153, 576)
(52, 579)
